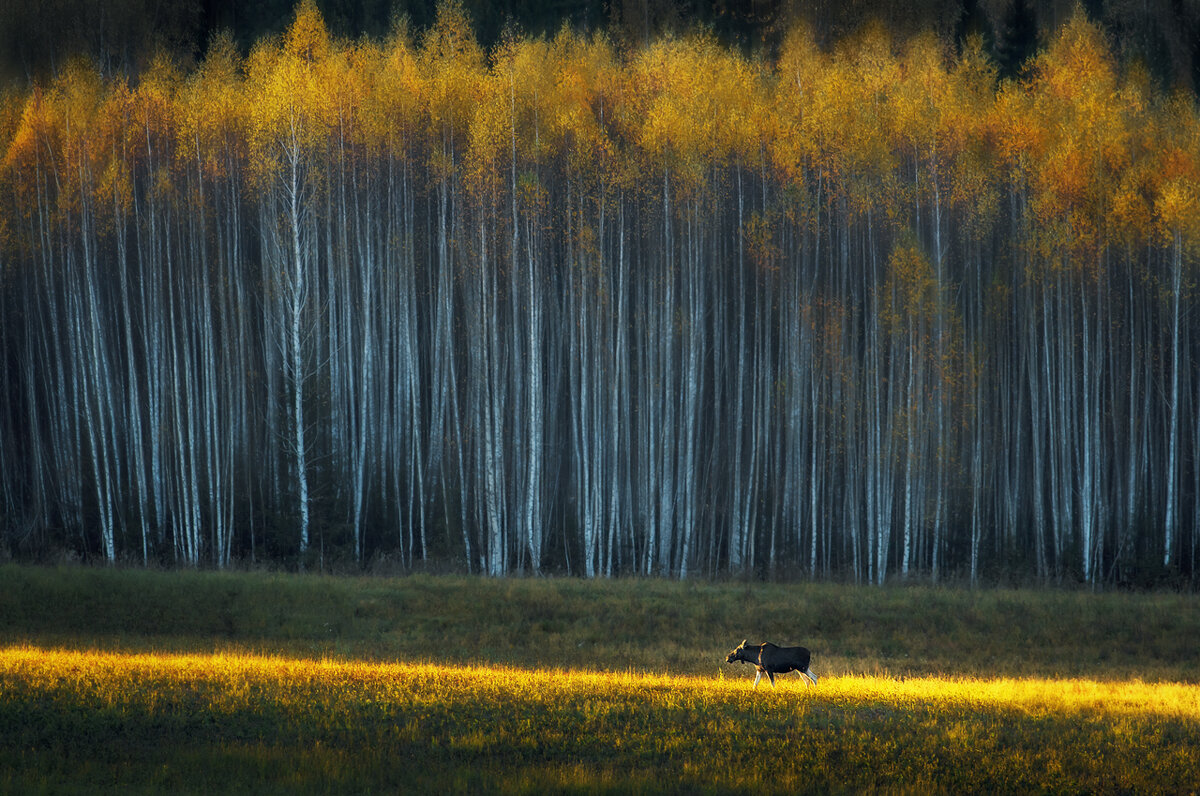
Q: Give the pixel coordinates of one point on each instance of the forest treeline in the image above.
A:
(37, 37)
(865, 312)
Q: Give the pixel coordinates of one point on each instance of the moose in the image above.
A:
(774, 660)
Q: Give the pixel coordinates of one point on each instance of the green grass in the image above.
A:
(641, 625)
(259, 682)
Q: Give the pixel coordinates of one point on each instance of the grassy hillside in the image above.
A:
(638, 625)
(138, 681)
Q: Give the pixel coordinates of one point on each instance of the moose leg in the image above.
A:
(772, 676)
(803, 674)
(757, 677)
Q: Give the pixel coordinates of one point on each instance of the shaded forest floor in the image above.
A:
(144, 681)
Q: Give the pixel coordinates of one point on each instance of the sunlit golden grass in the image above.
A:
(109, 682)
(236, 722)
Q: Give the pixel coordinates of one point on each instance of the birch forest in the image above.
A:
(862, 311)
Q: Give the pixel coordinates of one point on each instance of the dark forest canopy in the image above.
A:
(861, 310)
(37, 37)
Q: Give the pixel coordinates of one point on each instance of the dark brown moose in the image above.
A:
(774, 660)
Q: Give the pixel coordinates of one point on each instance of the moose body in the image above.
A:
(772, 660)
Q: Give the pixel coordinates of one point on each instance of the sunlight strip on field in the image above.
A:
(1033, 694)
(239, 721)
(228, 676)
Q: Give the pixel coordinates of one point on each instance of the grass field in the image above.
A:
(138, 681)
